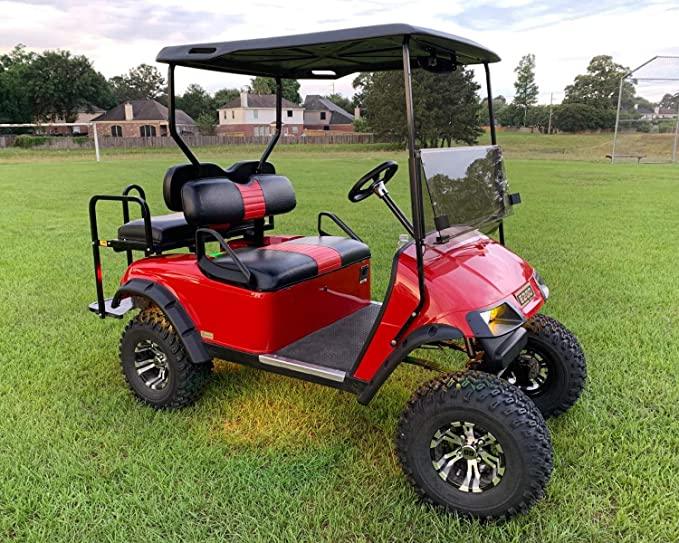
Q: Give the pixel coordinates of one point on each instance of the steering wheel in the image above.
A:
(368, 184)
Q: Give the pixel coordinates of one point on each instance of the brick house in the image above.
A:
(322, 114)
(255, 115)
(84, 115)
(141, 118)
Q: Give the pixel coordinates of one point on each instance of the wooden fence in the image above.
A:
(195, 141)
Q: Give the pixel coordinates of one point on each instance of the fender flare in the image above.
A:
(170, 306)
(425, 334)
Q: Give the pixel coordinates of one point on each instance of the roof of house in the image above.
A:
(143, 110)
(260, 101)
(329, 55)
(315, 102)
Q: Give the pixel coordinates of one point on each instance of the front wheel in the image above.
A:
(475, 445)
(551, 370)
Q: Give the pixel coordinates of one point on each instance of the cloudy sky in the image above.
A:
(563, 34)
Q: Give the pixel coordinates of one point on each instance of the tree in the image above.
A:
(670, 101)
(579, 117)
(499, 103)
(15, 103)
(526, 88)
(341, 101)
(60, 84)
(206, 124)
(599, 86)
(141, 83)
(446, 106)
(224, 96)
(197, 102)
(267, 85)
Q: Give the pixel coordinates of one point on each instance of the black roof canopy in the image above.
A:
(329, 55)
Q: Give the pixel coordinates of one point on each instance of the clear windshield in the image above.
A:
(467, 189)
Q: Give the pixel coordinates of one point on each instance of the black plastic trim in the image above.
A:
(502, 350)
(174, 311)
(252, 360)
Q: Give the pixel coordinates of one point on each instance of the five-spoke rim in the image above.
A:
(530, 372)
(467, 456)
(150, 363)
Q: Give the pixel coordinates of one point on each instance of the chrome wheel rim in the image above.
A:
(150, 363)
(467, 456)
(530, 372)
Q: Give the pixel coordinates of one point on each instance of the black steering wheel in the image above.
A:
(368, 184)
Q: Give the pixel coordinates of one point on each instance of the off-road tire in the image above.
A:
(498, 407)
(186, 380)
(566, 360)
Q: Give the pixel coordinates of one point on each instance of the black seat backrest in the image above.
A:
(220, 201)
(177, 176)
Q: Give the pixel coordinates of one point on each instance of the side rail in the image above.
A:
(339, 222)
(241, 276)
(100, 307)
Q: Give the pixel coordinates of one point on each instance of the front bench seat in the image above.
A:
(213, 202)
(280, 265)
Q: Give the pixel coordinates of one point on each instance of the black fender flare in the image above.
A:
(430, 333)
(177, 315)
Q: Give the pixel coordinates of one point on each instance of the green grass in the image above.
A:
(266, 458)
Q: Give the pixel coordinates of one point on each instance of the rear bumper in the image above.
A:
(502, 350)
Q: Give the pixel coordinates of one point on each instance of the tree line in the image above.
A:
(590, 102)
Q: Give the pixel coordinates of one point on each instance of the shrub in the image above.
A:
(26, 142)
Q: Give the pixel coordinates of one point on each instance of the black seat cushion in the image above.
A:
(167, 231)
(221, 201)
(283, 264)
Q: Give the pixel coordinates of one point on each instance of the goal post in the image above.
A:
(647, 130)
(92, 127)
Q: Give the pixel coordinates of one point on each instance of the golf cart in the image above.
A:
(473, 441)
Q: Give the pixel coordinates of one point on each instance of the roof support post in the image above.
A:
(491, 113)
(415, 187)
(172, 119)
(493, 135)
(279, 125)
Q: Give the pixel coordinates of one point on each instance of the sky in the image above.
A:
(564, 35)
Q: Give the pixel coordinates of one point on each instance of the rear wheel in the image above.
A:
(475, 445)
(551, 370)
(155, 364)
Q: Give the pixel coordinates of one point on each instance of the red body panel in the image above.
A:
(251, 321)
(469, 274)
(474, 273)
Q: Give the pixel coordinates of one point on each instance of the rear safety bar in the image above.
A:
(102, 307)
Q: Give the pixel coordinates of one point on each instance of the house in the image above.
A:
(84, 116)
(141, 118)
(322, 114)
(255, 115)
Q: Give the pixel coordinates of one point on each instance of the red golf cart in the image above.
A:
(473, 441)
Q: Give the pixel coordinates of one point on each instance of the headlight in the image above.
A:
(543, 286)
(501, 319)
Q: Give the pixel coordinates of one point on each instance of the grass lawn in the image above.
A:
(266, 458)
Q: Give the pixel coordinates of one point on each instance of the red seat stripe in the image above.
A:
(254, 205)
(327, 258)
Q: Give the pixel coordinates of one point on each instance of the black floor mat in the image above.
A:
(338, 345)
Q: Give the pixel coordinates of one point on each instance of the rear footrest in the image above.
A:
(109, 311)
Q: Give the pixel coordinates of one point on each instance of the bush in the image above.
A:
(26, 142)
(580, 117)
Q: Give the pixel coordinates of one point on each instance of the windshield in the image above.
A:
(467, 189)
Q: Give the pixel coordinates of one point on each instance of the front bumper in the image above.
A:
(502, 350)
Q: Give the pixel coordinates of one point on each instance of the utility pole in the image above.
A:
(551, 104)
